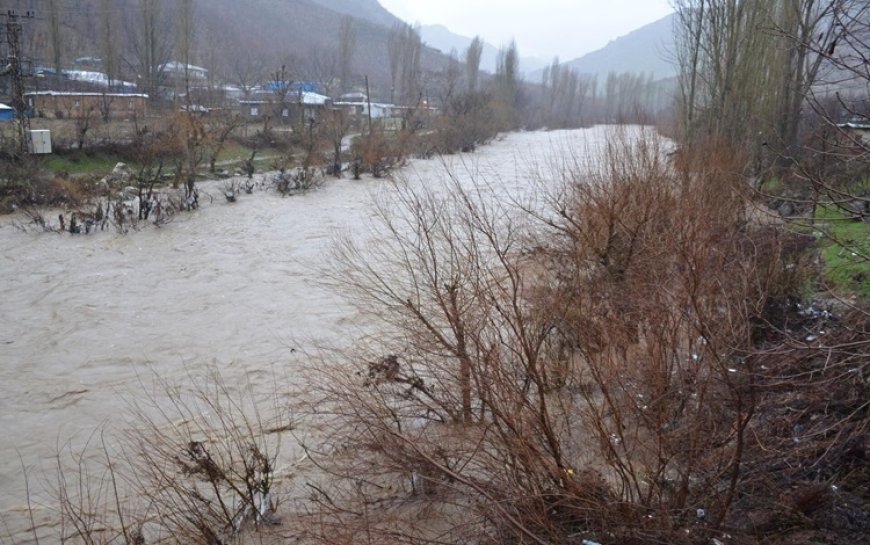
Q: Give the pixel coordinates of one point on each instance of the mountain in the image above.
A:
(647, 49)
(441, 38)
(367, 10)
(309, 29)
(247, 41)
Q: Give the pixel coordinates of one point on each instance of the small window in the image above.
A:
(255, 111)
(286, 113)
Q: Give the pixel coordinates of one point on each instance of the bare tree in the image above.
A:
(725, 54)
(320, 67)
(811, 30)
(747, 68)
(221, 126)
(185, 42)
(444, 85)
(507, 84)
(405, 48)
(346, 49)
(150, 31)
(55, 35)
(281, 87)
(110, 44)
(246, 69)
(565, 94)
(335, 125)
(394, 50)
(472, 62)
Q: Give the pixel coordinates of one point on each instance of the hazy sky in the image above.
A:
(542, 28)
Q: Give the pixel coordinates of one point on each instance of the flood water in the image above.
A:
(85, 320)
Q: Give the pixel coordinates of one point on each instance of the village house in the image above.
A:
(177, 78)
(357, 105)
(76, 105)
(177, 70)
(857, 129)
(293, 107)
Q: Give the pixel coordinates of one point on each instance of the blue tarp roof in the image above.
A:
(305, 86)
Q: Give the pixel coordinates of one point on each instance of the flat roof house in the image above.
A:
(267, 104)
(75, 104)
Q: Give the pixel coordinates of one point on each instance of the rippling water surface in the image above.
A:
(85, 320)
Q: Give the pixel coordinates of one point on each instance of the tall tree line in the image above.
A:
(134, 39)
(748, 67)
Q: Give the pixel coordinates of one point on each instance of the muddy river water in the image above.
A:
(233, 286)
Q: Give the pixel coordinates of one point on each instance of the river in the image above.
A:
(86, 320)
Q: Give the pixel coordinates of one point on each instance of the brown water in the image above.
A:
(85, 320)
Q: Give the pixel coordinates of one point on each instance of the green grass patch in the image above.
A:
(233, 150)
(98, 164)
(845, 246)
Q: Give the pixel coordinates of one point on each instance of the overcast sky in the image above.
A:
(542, 28)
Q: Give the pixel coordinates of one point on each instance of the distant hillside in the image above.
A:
(647, 49)
(309, 29)
(233, 35)
(440, 37)
(367, 10)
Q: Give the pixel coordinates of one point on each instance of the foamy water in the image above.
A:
(84, 320)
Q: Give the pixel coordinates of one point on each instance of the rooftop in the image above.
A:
(864, 126)
(77, 94)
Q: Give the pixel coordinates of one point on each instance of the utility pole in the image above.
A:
(15, 69)
(369, 100)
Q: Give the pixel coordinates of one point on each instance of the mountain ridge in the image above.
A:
(644, 50)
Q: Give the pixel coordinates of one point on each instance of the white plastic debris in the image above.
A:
(589, 542)
(701, 513)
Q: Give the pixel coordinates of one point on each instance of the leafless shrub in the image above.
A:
(88, 493)
(231, 190)
(199, 466)
(205, 461)
(298, 180)
(582, 373)
(35, 219)
(375, 153)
